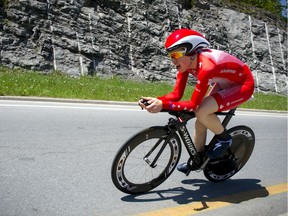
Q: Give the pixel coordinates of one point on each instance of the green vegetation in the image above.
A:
(267, 102)
(253, 6)
(268, 5)
(4, 3)
(19, 82)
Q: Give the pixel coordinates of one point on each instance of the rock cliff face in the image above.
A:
(126, 38)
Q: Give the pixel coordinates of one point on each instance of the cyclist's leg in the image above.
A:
(205, 115)
(200, 130)
(227, 99)
(200, 134)
(218, 100)
(205, 119)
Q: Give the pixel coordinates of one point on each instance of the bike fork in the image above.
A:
(146, 157)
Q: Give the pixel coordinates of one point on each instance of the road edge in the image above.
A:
(107, 102)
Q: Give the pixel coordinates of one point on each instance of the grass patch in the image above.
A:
(19, 82)
(267, 102)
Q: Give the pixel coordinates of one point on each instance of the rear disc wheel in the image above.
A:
(237, 155)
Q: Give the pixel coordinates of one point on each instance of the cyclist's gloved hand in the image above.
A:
(143, 103)
(152, 105)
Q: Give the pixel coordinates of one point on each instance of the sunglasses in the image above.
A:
(176, 54)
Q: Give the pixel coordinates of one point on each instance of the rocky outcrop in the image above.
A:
(126, 38)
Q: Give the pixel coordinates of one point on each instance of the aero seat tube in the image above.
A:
(228, 117)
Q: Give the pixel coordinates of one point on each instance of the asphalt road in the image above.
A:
(55, 160)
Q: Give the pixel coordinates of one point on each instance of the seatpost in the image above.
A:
(228, 117)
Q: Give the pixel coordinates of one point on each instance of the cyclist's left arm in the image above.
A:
(196, 98)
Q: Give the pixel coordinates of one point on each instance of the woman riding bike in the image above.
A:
(231, 80)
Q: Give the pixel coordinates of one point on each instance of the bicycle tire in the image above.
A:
(235, 158)
(129, 163)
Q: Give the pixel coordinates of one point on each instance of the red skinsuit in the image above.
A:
(214, 67)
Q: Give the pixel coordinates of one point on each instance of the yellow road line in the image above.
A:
(210, 204)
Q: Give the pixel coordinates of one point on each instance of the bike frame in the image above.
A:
(179, 125)
(187, 140)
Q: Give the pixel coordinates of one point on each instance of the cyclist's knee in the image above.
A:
(207, 107)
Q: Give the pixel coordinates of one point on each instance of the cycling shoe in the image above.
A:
(219, 149)
(185, 168)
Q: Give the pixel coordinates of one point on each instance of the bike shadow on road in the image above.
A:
(199, 190)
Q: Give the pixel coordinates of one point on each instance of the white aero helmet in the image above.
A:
(186, 38)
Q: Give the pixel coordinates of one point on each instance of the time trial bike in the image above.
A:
(149, 157)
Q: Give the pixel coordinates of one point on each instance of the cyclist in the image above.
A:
(231, 84)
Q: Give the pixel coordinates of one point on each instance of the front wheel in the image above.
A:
(243, 141)
(146, 160)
